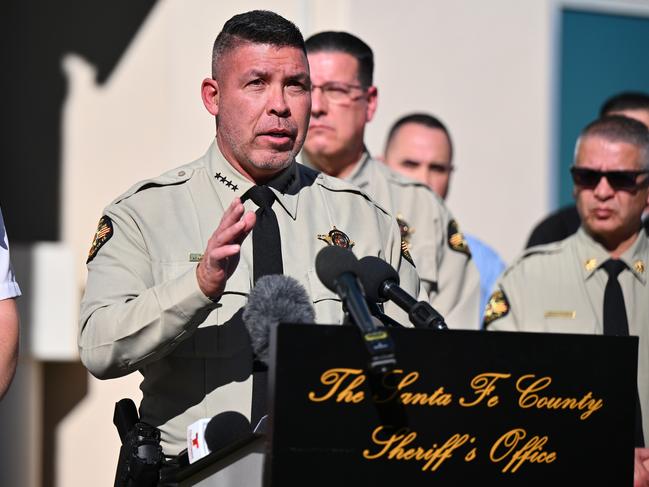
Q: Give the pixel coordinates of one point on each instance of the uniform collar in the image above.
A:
(286, 186)
(592, 255)
(230, 183)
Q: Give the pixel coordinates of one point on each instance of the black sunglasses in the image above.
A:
(590, 178)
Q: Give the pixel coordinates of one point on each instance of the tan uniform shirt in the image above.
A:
(143, 309)
(559, 288)
(440, 252)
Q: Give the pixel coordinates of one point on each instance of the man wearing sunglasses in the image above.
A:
(343, 101)
(597, 280)
(565, 221)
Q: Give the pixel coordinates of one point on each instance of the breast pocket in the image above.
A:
(326, 303)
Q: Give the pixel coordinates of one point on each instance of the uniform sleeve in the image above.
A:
(127, 318)
(458, 282)
(8, 286)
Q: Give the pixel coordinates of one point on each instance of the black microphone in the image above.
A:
(381, 282)
(275, 299)
(337, 269)
(226, 429)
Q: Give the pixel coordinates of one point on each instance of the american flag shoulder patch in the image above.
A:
(102, 235)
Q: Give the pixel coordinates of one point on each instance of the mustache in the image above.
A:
(282, 127)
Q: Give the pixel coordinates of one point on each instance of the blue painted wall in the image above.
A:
(601, 54)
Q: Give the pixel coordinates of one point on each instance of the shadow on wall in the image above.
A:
(35, 36)
(65, 384)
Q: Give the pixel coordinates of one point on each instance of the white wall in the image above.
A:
(483, 68)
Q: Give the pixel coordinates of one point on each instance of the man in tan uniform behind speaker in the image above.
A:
(595, 281)
(171, 265)
(343, 102)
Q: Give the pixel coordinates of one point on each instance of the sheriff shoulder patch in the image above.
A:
(102, 235)
(497, 307)
(456, 240)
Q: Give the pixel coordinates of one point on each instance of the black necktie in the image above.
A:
(266, 242)
(616, 323)
(266, 259)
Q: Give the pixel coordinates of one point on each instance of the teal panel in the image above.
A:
(601, 55)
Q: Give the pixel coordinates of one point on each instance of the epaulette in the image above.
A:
(535, 251)
(549, 248)
(178, 175)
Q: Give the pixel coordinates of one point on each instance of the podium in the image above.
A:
(460, 408)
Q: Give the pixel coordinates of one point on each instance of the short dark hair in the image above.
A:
(330, 41)
(627, 100)
(424, 119)
(258, 27)
(617, 128)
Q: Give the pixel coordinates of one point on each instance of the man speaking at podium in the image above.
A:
(171, 264)
(596, 281)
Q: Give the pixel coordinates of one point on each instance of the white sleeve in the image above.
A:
(8, 285)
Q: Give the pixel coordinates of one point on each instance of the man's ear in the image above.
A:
(372, 102)
(210, 95)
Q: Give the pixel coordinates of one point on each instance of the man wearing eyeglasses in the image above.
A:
(595, 281)
(343, 101)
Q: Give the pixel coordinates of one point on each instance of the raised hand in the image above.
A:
(221, 256)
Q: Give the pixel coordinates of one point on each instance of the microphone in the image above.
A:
(209, 435)
(275, 299)
(337, 269)
(226, 429)
(381, 282)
